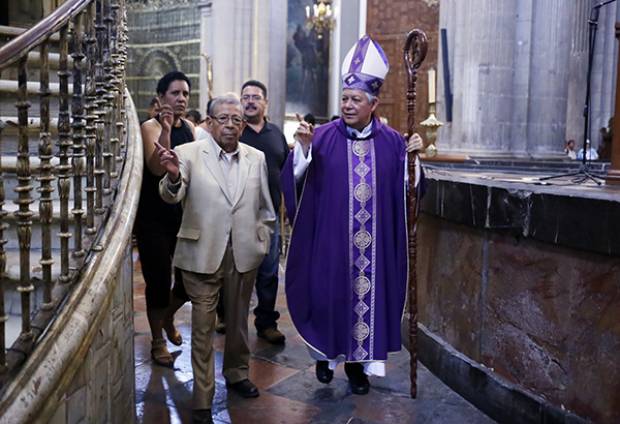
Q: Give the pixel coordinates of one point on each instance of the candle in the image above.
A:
(307, 12)
(432, 98)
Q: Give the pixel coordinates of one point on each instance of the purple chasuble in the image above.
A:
(346, 272)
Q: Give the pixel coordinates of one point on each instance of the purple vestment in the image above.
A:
(346, 272)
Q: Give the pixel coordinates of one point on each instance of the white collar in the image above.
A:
(365, 132)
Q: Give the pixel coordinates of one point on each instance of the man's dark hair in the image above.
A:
(194, 114)
(208, 111)
(165, 81)
(255, 83)
(309, 118)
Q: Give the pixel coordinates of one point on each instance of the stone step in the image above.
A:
(34, 125)
(9, 86)
(10, 233)
(9, 181)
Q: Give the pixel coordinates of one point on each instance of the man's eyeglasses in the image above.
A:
(223, 119)
(254, 97)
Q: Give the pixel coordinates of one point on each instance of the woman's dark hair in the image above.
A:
(165, 81)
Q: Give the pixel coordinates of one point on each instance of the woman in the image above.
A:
(157, 222)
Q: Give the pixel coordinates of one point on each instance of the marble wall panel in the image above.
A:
(542, 316)
(450, 260)
(102, 389)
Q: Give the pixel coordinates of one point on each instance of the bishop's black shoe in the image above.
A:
(358, 380)
(323, 373)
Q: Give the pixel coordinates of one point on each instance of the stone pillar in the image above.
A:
(247, 40)
(206, 49)
(548, 94)
(482, 50)
(603, 81)
(517, 76)
(613, 176)
(577, 69)
(276, 79)
(346, 32)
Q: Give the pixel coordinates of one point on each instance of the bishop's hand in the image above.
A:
(414, 143)
(304, 133)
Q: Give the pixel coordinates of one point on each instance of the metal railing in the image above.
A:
(83, 161)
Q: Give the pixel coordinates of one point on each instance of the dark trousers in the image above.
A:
(267, 286)
(156, 250)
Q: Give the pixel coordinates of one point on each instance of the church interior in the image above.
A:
(513, 249)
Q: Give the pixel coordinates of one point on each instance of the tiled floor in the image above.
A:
(289, 391)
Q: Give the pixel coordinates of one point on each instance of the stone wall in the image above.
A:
(102, 390)
(538, 314)
(162, 39)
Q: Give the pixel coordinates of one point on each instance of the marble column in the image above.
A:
(603, 72)
(206, 49)
(613, 175)
(347, 30)
(549, 71)
(482, 49)
(518, 76)
(246, 39)
(577, 69)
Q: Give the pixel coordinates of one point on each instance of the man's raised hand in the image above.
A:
(169, 160)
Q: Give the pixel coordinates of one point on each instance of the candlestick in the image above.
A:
(431, 86)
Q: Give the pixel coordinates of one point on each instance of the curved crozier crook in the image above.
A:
(414, 53)
(415, 50)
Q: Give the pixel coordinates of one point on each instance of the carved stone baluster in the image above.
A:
(91, 130)
(115, 83)
(24, 199)
(99, 111)
(77, 114)
(122, 55)
(64, 142)
(46, 178)
(3, 226)
(108, 96)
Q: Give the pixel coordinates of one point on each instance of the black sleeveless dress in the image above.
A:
(156, 227)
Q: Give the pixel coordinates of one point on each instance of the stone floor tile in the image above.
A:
(266, 374)
(290, 393)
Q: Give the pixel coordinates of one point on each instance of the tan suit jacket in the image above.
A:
(210, 215)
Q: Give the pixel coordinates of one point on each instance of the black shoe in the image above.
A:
(202, 416)
(272, 335)
(244, 388)
(323, 373)
(358, 380)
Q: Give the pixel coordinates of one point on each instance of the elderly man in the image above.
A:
(225, 234)
(344, 189)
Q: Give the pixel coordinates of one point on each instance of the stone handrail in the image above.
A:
(28, 40)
